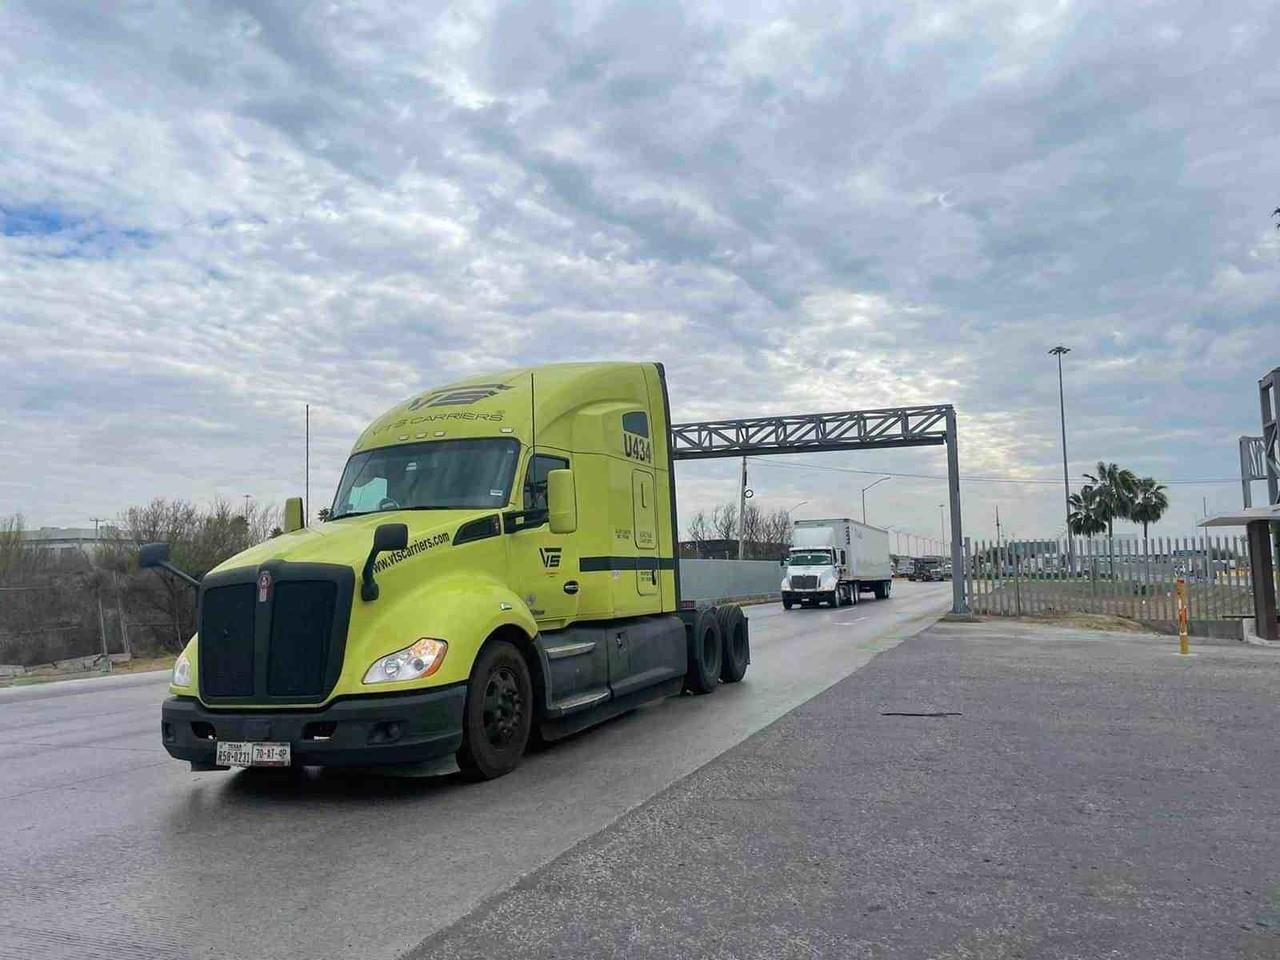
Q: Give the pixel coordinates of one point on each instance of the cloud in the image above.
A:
(212, 214)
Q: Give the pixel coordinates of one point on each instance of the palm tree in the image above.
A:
(1087, 517)
(1149, 503)
(1115, 488)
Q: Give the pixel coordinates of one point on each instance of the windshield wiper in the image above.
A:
(351, 513)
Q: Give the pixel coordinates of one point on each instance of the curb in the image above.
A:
(71, 686)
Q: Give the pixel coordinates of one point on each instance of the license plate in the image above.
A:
(244, 753)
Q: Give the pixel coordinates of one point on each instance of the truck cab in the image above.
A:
(498, 561)
(812, 576)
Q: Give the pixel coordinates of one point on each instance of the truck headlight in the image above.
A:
(412, 663)
(181, 671)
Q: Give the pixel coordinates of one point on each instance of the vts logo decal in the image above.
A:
(458, 396)
(550, 557)
(637, 448)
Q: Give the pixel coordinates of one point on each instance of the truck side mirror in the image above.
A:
(782, 561)
(387, 537)
(562, 501)
(153, 555)
(293, 519)
(156, 555)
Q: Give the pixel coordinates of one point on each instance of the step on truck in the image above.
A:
(834, 561)
(498, 565)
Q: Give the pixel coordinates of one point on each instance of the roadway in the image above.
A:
(109, 848)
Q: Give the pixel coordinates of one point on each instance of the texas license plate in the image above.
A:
(244, 753)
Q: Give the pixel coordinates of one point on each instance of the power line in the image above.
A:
(806, 465)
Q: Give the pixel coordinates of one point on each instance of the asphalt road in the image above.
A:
(110, 849)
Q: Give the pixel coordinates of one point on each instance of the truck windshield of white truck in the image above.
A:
(437, 475)
(811, 558)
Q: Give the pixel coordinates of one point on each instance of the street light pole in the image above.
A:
(864, 496)
(1058, 351)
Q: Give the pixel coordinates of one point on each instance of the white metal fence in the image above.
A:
(1126, 578)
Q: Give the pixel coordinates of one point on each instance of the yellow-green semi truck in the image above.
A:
(498, 564)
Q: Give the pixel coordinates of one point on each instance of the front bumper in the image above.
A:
(358, 731)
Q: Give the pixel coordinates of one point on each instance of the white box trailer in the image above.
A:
(834, 561)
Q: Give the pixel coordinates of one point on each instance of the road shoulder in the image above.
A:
(1081, 795)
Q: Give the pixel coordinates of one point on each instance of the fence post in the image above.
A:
(102, 626)
(1017, 578)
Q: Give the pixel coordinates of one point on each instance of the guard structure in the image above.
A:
(1260, 460)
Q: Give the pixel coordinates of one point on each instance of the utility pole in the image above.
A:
(96, 521)
(1058, 351)
(743, 495)
(306, 470)
(247, 498)
(997, 524)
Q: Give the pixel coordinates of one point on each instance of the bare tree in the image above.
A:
(765, 534)
(699, 531)
(724, 521)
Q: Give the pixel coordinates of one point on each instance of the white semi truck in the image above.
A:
(835, 561)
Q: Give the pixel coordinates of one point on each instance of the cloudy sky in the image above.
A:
(212, 213)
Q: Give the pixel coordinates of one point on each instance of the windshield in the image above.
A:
(811, 558)
(438, 475)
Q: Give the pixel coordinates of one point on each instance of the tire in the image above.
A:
(735, 643)
(787, 603)
(853, 595)
(834, 598)
(498, 715)
(882, 590)
(705, 650)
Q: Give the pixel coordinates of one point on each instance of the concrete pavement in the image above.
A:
(109, 848)
(1067, 795)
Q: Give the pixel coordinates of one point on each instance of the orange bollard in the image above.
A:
(1184, 641)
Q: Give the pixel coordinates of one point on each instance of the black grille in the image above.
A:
(804, 582)
(301, 628)
(226, 641)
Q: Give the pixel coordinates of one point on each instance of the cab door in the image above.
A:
(646, 532)
(544, 565)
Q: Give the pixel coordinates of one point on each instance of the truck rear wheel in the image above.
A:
(705, 653)
(498, 714)
(736, 653)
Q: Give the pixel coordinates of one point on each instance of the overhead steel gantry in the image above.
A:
(924, 426)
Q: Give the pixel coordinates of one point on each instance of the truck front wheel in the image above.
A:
(498, 715)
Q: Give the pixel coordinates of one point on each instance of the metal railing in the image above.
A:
(1135, 579)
